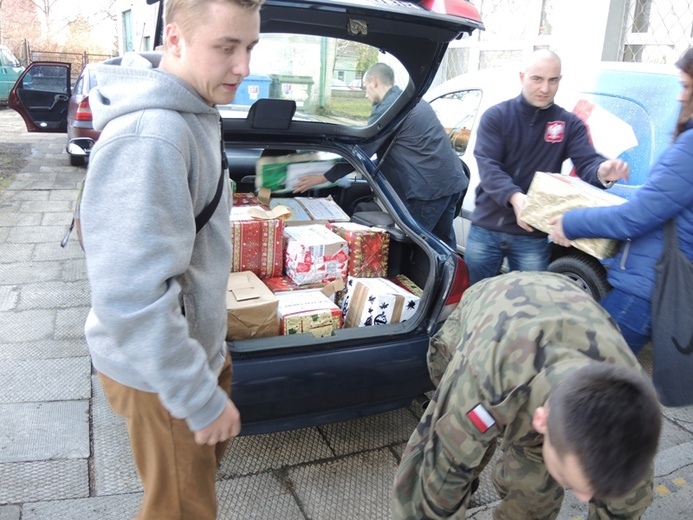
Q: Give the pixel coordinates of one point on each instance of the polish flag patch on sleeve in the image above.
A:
(481, 418)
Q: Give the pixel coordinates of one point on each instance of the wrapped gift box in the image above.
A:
(368, 248)
(251, 308)
(284, 284)
(308, 311)
(314, 254)
(406, 283)
(256, 242)
(551, 195)
(247, 199)
(377, 301)
(280, 174)
(311, 210)
(298, 212)
(323, 209)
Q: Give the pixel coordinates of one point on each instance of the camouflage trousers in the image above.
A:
(446, 452)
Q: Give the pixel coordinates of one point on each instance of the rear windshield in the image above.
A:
(324, 76)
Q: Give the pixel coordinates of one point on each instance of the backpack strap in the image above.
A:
(200, 220)
(210, 208)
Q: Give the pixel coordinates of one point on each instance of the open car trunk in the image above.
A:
(276, 371)
(296, 103)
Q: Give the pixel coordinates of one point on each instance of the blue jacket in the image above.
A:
(515, 140)
(667, 194)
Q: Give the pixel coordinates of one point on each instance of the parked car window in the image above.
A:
(8, 59)
(639, 157)
(284, 67)
(79, 85)
(457, 112)
(47, 78)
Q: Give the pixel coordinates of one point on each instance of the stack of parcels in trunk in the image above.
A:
(256, 241)
(550, 195)
(308, 312)
(368, 248)
(251, 307)
(314, 254)
(377, 301)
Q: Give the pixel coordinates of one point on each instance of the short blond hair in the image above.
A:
(186, 13)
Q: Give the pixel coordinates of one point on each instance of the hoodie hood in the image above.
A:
(117, 78)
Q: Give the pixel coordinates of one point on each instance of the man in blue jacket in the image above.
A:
(517, 138)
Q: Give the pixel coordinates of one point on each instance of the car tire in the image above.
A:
(586, 271)
(77, 160)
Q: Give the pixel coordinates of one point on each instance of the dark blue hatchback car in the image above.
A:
(288, 105)
(299, 380)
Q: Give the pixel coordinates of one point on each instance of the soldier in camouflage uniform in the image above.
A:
(497, 364)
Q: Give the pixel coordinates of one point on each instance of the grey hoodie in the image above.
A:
(158, 290)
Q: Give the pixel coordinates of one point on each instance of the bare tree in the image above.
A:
(20, 21)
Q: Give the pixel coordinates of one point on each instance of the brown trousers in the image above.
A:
(178, 475)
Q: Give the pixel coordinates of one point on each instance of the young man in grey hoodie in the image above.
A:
(157, 325)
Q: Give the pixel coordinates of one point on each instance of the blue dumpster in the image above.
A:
(253, 87)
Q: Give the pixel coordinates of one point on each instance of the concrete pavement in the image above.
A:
(64, 454)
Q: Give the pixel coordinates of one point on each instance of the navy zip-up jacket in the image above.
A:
(421, 163)
(515, 140)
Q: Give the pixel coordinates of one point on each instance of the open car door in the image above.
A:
(41, 96)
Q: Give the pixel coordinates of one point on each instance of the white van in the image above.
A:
(10, 69)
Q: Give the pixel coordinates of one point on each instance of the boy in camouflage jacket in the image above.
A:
(497, 364)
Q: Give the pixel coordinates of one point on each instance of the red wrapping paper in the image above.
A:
(281, 284)
(368, 249)
(257, 247)
(247, 199)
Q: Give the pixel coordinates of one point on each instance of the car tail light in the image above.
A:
(460, 283)
(83, 111)
(452, 7)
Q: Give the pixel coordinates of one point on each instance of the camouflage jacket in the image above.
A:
(510, 341)
(521, 334)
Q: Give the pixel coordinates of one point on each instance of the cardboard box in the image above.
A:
(368, 248)
(298, 212)
(551, 195)
(256, 242)
(251, 308)
(377, 301)
(308, 312)
(314, 254)
(310, 210)
(323, 208)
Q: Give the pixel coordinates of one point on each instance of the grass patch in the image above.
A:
(353, 108)
(12, 159)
